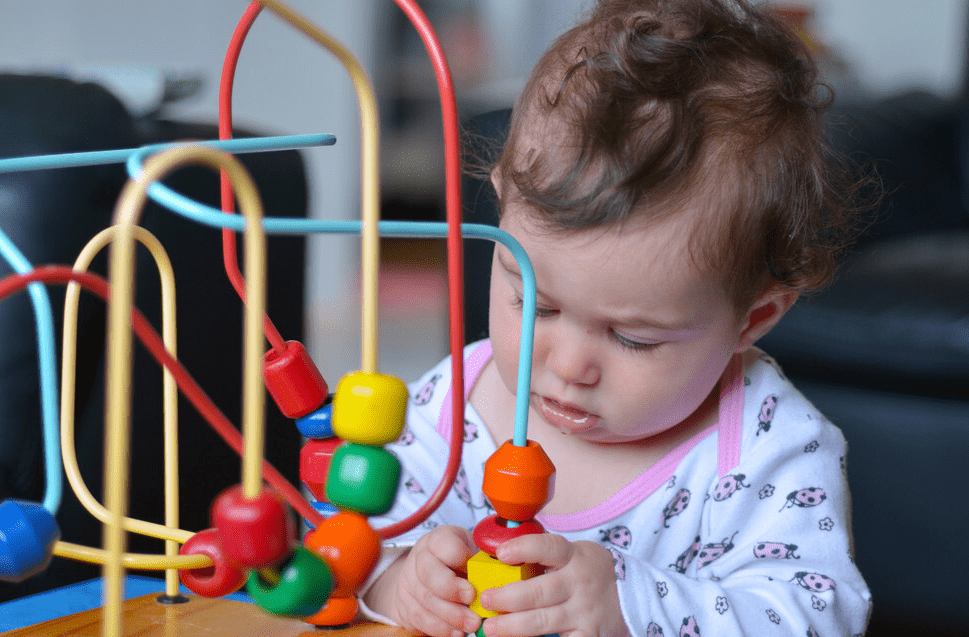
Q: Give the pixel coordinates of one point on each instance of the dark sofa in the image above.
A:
(50, 215)
(884, 352)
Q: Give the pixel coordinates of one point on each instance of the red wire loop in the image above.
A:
(188, 386)
(455, 263)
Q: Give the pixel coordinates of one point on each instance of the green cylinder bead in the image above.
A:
(363, 479)
(304, 586)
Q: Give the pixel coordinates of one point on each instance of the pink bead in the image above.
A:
(293, 380)
(255, 533)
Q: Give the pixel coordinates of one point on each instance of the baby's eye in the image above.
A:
(540, 312)
(633, 344)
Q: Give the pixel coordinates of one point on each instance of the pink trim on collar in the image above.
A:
(474, 362)
(729, 426)
(731, 416)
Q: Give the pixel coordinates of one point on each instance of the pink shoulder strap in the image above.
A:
(731, 426)
(474, 362)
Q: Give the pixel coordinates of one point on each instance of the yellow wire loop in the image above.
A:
(132, 560)
(370, 174)
(170, 531)
(119, 363)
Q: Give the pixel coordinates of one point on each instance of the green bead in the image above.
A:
(305, 583)
(363, 479)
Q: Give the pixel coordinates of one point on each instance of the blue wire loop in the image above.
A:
(50, 417)
(207, 215)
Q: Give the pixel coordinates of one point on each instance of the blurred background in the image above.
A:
(884, 354)
(166, 58)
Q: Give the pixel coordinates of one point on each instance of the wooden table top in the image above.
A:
(200, 617)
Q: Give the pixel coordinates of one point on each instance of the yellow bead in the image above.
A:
(369, 408)
(486, 572)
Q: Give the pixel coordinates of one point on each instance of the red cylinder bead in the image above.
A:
(293, 380)
(518, 481)
(218, 580)
(351, 548)
(493, 531)
(314, 463)
(255, 533)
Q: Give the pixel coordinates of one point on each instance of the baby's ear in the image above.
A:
(496, 180)
(766, 311)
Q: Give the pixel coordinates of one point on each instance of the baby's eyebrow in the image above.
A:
(510, 265)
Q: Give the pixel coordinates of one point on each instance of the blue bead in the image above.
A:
(325, 509)
(27, 536)
(317, 424)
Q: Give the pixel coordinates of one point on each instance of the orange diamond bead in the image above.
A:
(518, 481)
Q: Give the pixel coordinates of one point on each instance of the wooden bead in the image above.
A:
(350, 547)
(338, 611)
(218, 580)
(314, 464)
(318, 423)
(369, 408)
(484, 572)
(303, 586)
(493, 531)
(293, 380)
(255, 533)
(518, 481)
(363, 479)
(28, 533)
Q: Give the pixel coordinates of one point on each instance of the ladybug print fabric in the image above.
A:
(759, 546)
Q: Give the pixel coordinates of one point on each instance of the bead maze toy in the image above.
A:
(343, 466)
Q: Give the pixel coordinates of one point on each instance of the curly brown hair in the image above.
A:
(651, 107)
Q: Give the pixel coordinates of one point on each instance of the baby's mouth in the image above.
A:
(566, 418)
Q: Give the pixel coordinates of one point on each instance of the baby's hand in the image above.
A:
(576, 597)
(433, 594)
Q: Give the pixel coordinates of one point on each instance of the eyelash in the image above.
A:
(618, 339)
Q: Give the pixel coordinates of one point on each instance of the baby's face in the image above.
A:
(630, 337)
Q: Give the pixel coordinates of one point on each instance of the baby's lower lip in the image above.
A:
(568, 419)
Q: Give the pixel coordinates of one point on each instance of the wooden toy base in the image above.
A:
(200, 617)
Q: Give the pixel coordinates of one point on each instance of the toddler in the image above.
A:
(667, 175)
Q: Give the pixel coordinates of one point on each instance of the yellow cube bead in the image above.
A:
(486, 572)
(369, 408)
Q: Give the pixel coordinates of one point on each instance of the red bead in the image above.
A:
(314, 464)
(255, 533)
(218, 580)
(518, 481)
(351, 548)
(338, 611)
(493, 531)
(293, 380)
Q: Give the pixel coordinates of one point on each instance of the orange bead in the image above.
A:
(518, 481)
(338, 611)
(350, 546)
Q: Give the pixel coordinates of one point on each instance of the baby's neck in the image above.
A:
(580, 484)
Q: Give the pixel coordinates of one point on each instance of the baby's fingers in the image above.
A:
(451, 545)
(425, 612)
(439, 579)
(439, 619)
